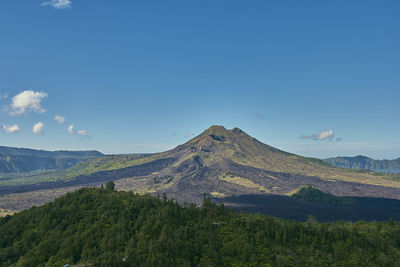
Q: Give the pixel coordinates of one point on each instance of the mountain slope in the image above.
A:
(362, 162)
(17, 160)
(218, 162)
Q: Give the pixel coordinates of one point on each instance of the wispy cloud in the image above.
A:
(38, 128)
(328, 134)
(27, 101)
(322, 135)
(82, 133)
(71, 131)
(59, 4)
(188, 135)
(10, 128)
(60, 119)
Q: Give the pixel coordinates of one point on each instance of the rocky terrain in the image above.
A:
(221, 163)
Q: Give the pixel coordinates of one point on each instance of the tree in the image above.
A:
(110, 185)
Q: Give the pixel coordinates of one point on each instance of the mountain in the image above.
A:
(18, 160)
(100, 227)
(225, 162)
(362, 162)
(221, 163)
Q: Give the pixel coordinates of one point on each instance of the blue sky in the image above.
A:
(317, 78)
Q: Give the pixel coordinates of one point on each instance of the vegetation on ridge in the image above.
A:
(108, 228)
(315, 195)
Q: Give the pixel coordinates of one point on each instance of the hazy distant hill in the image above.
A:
(362, 162)
(17, 160)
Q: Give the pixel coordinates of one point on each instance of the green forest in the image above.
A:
(103, 227)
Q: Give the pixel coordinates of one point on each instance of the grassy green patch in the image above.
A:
(231, 178)
(217, 194)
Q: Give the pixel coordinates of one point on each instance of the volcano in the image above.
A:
(224, 163)
(220, 163)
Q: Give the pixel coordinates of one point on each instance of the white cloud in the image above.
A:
(59, 4)
(60, 119)
(10, 128)
(72, 132)
(326, 134)
(70, 129)
(38, 128)
(323, 135)
(82, 133)
(27, 101)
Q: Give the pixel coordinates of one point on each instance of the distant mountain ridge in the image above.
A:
(17, 160)
(362, 162)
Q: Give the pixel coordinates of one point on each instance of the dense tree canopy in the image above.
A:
(109, 228)
(110, 185)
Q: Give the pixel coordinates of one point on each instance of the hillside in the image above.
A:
(100, 227)
(312, 194)
(362, 162)
(19, 160)
(220, 162)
